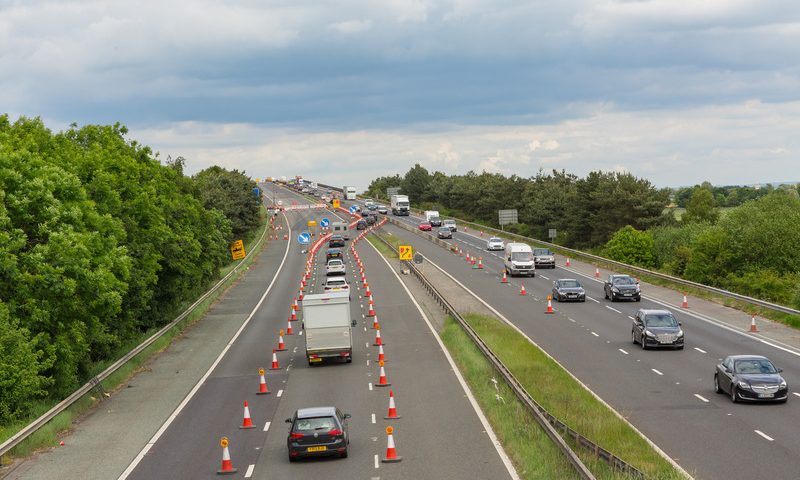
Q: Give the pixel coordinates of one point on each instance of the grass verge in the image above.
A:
(48, 435)
(382, 247)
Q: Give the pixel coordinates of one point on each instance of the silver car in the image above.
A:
(495, 243)
(335, 266)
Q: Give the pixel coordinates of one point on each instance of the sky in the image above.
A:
(343, 91)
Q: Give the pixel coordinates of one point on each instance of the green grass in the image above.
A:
(563, 397)
(48, 435)
(382, 247)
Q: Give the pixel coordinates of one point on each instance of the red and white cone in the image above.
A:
(368, 293)
(300, 297)
(275, 365)
(568, 264)
(371, 311)
(227, 465)
(685, 303)
(262, 384)
(505, 278)
(281, 345)
(294, 306)
(391, 450)
(381, 356)
(378, 339)
(247, 422)
(596, 272)
(382, 381)
(392, 413)
(549, 305)
(522, 290)
(460, 252)
(375, 324)
(753, 326)
(364, 283)
(480, 263)
(467, 257)
(289, 330)
(293, 316)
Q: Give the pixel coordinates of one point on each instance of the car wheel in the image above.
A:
(633, 337)
(612, 297)
(638, 299)
(605, 294)
(716, 384)
(644, 343)
(734, 398)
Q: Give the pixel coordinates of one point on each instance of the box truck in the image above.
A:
(328, 327)
(400, 205)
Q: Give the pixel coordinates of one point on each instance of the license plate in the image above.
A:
(317, 449)
(314, 359)
(766, 395)
(627, 294)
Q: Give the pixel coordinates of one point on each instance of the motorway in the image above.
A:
(667, 395)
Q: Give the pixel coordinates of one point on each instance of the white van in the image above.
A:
(518, 259)
(340, 228)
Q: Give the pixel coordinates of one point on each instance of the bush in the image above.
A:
(631, 246)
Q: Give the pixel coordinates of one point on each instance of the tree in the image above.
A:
(415, 184)
(631, 246)
(230, 192)
(700, 207)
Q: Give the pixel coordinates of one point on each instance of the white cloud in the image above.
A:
(352, 26)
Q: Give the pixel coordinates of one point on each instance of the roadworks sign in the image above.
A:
(237, 250)
(406, 252)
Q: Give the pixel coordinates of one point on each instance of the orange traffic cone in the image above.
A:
(391, 451)
(685, 303)
(227, 465)
(392, 413)
(289, 330)
(368, 293)
(300, 297)
(505, 278)
(460, 252)
(381, 356)
(262, 384)
(467, 257)
(378, 340)
(480, 263)
(293, 316)
(247, 422)
(549, 305)
(375, 322)
(371, 312)
(382, 382)
(753, 327)
(481, 233)
(275, 365)
(294, 306)
(568, 264)
(364, 283)
(522, 290)
(281, 345)
(596, 272)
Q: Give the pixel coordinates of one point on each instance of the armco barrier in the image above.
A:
(549, 423)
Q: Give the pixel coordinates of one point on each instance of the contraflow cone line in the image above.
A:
(262, 384)
(247, 422)
(275, 365)
(391, 450)
(281, 344)
(522, 289)
(289, 330)
(293, 315)
(392, 413)
(375, 324)
(300, 297)
(294, 305)
(382, 381)
(549, 305)
(505, 278)
(227, 465)
(381, 356)
(378, 339)
(371, 312)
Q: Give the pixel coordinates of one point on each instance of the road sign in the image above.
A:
(353, 209)
(336, 203)
(552, 233)
(237, 250)
(406, 252)
(312, 223)
(257, 192)
(418, 258)
(325, 223)
(506, 217)
(304, 238)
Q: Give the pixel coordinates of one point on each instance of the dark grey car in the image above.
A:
(568, 289)
(657, 329)
(317, 431)
(444, 232)
(622, 287)
(750, 377)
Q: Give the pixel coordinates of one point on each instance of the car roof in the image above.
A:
(567, 280)
(336, 280)
(336, 236)
(653, 311)
(316, 412)
(748, 357)
(495, 238)
(334, 250)
(620, 275)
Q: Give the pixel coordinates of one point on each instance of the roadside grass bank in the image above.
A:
(385, 250)
(49, 434)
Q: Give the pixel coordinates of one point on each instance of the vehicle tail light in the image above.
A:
(336, 431)
(344, 354)
(296, 435)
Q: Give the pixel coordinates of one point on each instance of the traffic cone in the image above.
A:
(568, 264)
(247, 422)
(281, 345)
(375, 322)
(753, 327)
(596, 272)
(472, 260)
(382, 382)
(300, 297)
(293, 316)
(364, 283)
(391, 451)
(685, 303)
(227, 465)
(460, 252)
(294, 305)
(522, 289)
(480, 263)
(467, 257)
(368, 293)
(392, 413)
(289, 330)
(549, 305)
(481, 233)
(474, 264)
(275, 365)
(381, 356)
(371, 311)
(262, 384)
(378, 339)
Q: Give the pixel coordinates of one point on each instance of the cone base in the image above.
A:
(243, 427)
(379, 344)
(382, 384)
(275, 368)
(391, 460)
(263, 393)
(392, 418)
(280, 349)
(227, 472)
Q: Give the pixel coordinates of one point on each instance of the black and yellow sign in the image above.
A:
(336, 203)
(312, 223)
(237, 250)
(406, 252)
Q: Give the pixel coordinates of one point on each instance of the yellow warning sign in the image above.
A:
(336, 203)
(237, 250)
(406, 252)
(312, 223)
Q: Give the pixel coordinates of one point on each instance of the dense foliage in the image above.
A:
(99, 242)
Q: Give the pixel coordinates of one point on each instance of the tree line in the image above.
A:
(99, 243)
(753, 249)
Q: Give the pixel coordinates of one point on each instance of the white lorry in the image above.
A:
(432, 217)
(400, 205)
(328, 327)
(518, 259)
(340, 228)
(349, 192)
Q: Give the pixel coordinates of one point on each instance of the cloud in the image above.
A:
(352, 26)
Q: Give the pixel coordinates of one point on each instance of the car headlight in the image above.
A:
(649, 333)
(680, 333)
(615, 289)
(783, 384)
(744, 385)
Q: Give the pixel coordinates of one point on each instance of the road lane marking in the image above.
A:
(280, 392)
(700, 350)
(795, 393)
(659, 373)
(370, 386)
(631, 317)
(623, 351)
(301, 333)
(612, 308)
(368, 362)
(543, 277)
(702, 398)
(377, 462)
(764, 435)
(373, 418)
(596, 335)
(366, 343)
(571, 320)
(249, 472)
(266, 426)
(592, 299)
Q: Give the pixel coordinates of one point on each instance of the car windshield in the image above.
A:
(522, 256)
(314, 424)
(335, 283)
(450, 222)
(754, 366)
(660, 320)
(495, 240)
(335, 262)
(569, 284)
(542, 251)
(444, 230)
(624, 281)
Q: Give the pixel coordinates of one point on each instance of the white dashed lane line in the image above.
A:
(798, 394)
(702, 398)
(377, 462)
(280, 393)
(249, 472)
(631, 317)
(592, 299)
(700, 350)
(266, 426)
(656, 371)
(764, 435)
(612, 308)
(373, 418)
(623, 351)
(596, 335)
(542, 276)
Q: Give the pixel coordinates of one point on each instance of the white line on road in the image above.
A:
(764, 435)
(294, 350)
(367, 343)
(370, 386)
(592, 299)
(571, 320)
(377, 462)
(301, 333)
(542, 276)
(798, 394)
(280, 392)
(266, 426)
(368, 363)
(623, 351)
(700, 350)
(596, 335)
(249, 472)
(702, 398)
(631, 317)
(373, 418)
(612, 308)
(659, 373)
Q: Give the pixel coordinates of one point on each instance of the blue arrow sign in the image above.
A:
(324, 223)
(353, 209)
(304, 238)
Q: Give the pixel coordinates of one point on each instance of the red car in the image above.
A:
(425, 226)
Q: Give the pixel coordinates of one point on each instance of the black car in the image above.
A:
(317, 431)
(657, 329)
(361, 224)
(372, 206)
(336, 241)
(750, 377)
(371, 219)
(444, 232)
(435, 221)
(566, 289)
(333, 253)
(383, 210)
(619, 287)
